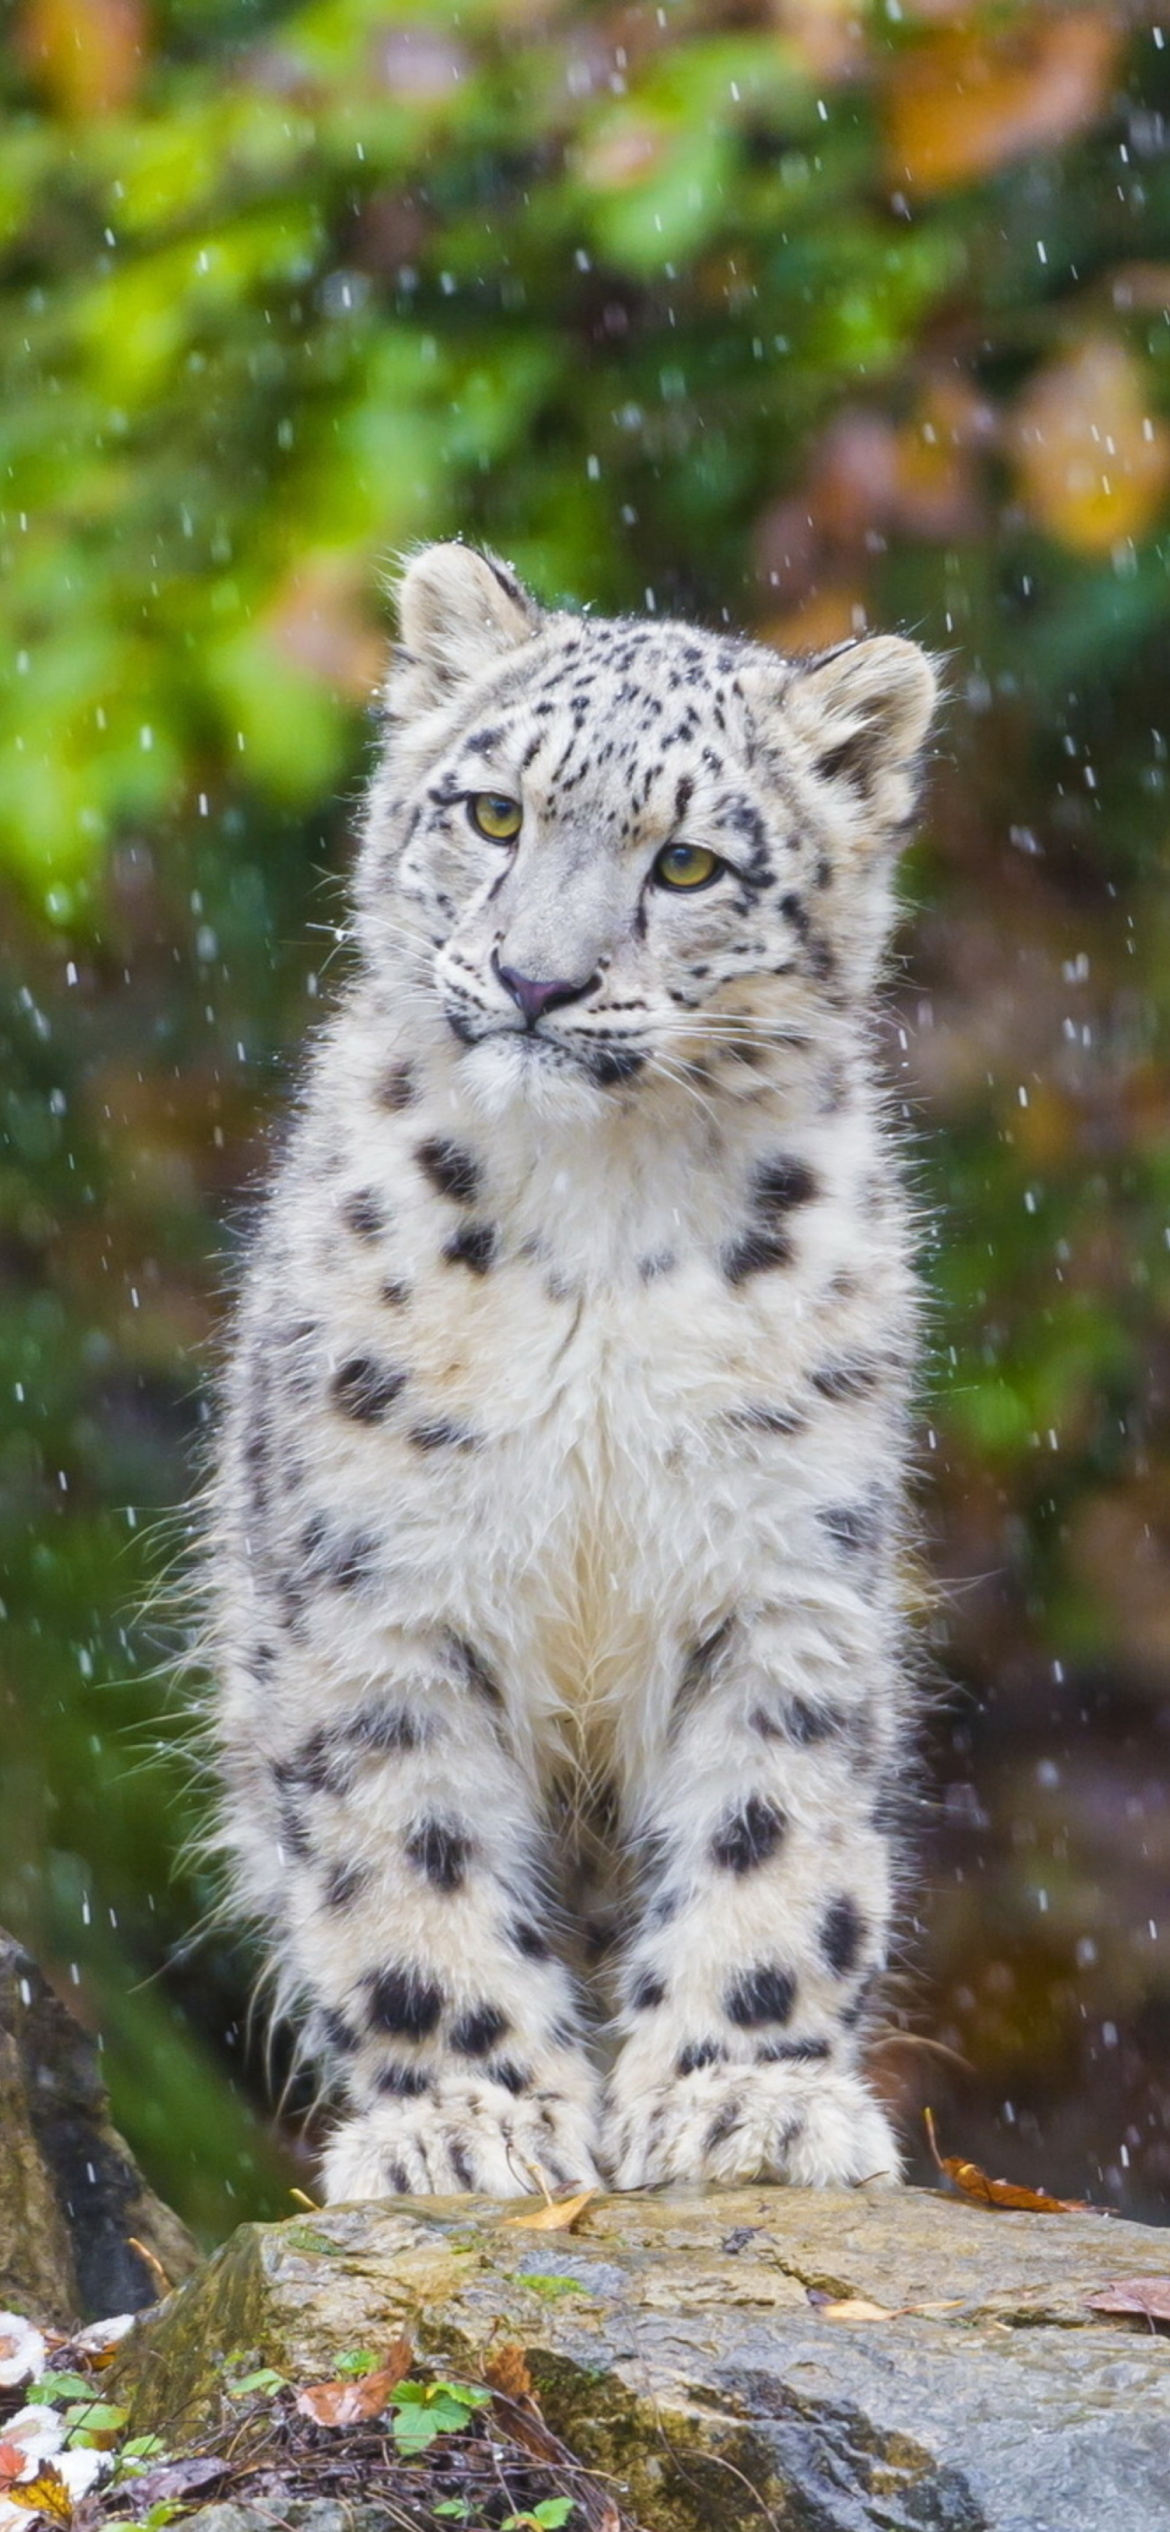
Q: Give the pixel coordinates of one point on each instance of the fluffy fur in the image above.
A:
(560, 1679)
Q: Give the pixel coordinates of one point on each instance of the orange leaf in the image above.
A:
(12, 2462)
(963, 103)
(975, 2184)
(364, 2396)
(46, 2494)
(559, 2215)
(88, 54)
(1149, 2297)
(1092, 459)
(507, 2371)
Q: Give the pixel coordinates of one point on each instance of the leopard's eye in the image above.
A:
(493, 815)
(687, 866)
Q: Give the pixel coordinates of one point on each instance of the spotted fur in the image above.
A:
(559, 1654)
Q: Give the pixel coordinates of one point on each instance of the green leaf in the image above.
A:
(358, 2360)
(54, 2387)
(266, 2379)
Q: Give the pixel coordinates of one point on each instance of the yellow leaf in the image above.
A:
(856, 2308)
(963, 103)
(558, 2216)
(1093, 462)
(46, 2494)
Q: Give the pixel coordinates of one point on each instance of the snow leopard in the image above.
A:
(556, 1543)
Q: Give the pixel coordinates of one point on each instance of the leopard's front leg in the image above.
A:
(766, 1898)
(408, 1888)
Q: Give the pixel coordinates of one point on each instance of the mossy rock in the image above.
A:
(684, 2344)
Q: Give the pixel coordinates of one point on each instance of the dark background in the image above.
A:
(802, 315)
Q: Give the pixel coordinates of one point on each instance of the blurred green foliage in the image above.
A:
(793, 312)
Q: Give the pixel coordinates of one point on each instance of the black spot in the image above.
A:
(756, 1253)
(791, 2052)
(461, 2163)
(406, 2083)
(475, 1671)
(764, 1994)
(403, 2002)
(440, 1854)
(397, 2180)
(724, 2121)
(397, 1088)
(338, 2032)
(473, 1246)
(380, 1729)
(661, 1261)
(599, 1934)
(698, 1665)
(848, 1379)
(394, 1293)
(343, 1558)
(699, 2053)
(442, 1435)
(855, 1527)
(808, 1722)
(310, 1765)
(781, 1183)
(364, 1214)
(647, 1992)
(293, 1835)
(761, 1419)
(528, 1939)
(479, 2031)
(853, 2013)
(345, 1885)
(452, 1171)
(366, 1389)
(843, 1932)
(608, 1064)
(748, 1837)
(514, 2078)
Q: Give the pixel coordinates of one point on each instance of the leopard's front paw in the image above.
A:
(800, 2124)
(464, 2136)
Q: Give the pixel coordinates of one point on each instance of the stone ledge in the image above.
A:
(682, 2351)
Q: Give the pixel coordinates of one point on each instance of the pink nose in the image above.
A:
(534, 996)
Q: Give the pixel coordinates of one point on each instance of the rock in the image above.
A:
(71, 2195)
(674, 2343)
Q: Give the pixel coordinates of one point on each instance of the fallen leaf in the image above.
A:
(507, 2371)
(158, 2276)
(177, 2479)
(558, 2216)
(46, 2494)
(963, 101)
(1092, 455)
(12, 2461)
(975, 2184)
(344, 2403)
(857, 2308)
(1148, 2297)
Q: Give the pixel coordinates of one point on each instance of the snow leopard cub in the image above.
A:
(555, 1527)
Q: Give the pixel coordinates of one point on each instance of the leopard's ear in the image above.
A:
(861, 714)
(459, 613)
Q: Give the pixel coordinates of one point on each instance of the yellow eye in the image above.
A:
(494, 816)
(686, 866)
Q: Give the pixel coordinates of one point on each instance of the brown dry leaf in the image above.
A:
(559, 2216)
(507, 2371)
(361, 2396)
(857, 2308)
(962, 102)
(1091, 457)
(46, 2494)
(975, 2185)
(1149, 2297)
